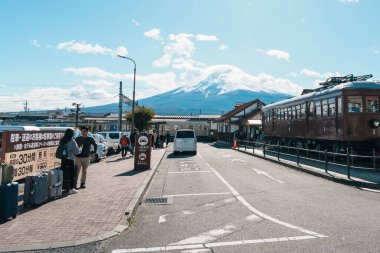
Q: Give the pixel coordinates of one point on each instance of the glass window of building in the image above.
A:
(372, 103)
(354, 104)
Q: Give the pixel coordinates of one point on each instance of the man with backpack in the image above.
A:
(82, 160)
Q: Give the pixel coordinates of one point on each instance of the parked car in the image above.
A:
(185, 140)
(112, 140)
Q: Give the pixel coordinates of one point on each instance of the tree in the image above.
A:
(143, 117)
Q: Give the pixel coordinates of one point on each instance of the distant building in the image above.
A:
(243, 122)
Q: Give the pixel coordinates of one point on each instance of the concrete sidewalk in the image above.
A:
(98, 212)
(338, 173)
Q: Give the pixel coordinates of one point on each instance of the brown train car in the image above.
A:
(344, 112)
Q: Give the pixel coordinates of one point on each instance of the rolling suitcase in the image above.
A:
(6, 173)
(55, 179)
(8, 200)
(36, 189)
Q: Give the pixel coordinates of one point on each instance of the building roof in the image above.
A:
(204, 117)
(239, 109)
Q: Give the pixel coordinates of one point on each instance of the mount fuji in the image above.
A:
(216, 93)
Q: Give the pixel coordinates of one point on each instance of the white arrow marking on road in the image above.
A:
(267, 175)
(162, 218)
(238, 160)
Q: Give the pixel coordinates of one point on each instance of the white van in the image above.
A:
(185, 140)
(113, 140)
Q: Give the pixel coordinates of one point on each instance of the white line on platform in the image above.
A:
(254, 210)
(162, 218)
(267, 175)
(197, 194)
(214, 245)
(184, 172)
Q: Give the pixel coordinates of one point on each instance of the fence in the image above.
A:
(314, 155)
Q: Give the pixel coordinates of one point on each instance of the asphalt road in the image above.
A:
(225, 201)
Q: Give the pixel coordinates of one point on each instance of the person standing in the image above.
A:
(167, 138)
(124, 142)
(154, 139)
(82, 160)
(67, 164)
(132, 140)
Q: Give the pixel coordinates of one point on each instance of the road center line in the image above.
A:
(254, 210)
(197, 194)
(187, 172)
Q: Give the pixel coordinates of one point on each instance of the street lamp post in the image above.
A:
(134, 86)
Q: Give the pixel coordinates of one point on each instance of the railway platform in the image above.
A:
(365, 179)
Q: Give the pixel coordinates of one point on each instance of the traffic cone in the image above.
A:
(235, 146)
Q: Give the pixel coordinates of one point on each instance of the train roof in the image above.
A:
(359, 85)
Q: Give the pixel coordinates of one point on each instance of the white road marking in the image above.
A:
(238, 160)
(254, 210)
(197, 194)
(226, 156)
(214, 245)
(370, 190)
(186, 172)
(162, 218)
(179, 215)
(267, 175)
(215, 234)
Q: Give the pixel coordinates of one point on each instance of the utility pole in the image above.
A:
(120, 105)
(77, 109)
(26, 106)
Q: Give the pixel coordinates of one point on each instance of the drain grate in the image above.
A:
(159, 201)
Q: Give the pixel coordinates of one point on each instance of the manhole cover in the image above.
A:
(159, 201)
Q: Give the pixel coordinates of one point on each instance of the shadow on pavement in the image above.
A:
(178, 156)
(119, 159)
(129, 173)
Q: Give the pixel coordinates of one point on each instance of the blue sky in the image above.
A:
(54, 53)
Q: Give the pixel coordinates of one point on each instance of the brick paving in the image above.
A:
(111, 184)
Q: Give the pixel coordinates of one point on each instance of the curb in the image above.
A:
(130, 211)
(344, 181)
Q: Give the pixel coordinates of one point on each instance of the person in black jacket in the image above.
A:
(82, 160)
(132, 140)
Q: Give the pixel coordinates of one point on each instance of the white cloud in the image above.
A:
(164, 61)
(223, 47)
(202, 37)
(135, 22)
(35, 43)
(99, 83)
(121, 51)
(281, 55)
(156, 82)
(84, 48)
(311, 73)
(180, 45)
(349, 1)
(375, 50)
(154, 34)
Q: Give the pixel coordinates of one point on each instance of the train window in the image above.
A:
(325, 108)
(372, 104)
(354, 104)
(311, 109)
(331, 106)
(302, 111)
(286, 113)
(318, 111)
(298, 109)
(339, 105)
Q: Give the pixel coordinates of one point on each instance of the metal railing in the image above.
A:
(347, 159)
